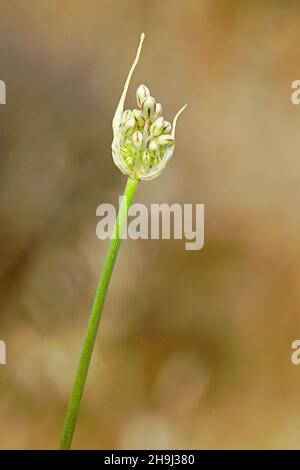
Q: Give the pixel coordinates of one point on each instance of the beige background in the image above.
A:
(194, 348)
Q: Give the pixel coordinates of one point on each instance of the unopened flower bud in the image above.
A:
(146, 159)
(129, 161)
(148, 107)
(154, 148)
(128, 125)
(137, 139)
(126, 114)
(166, 129)
(157, 126)
(165, 140)
(139, 117)
(158, 110)
(141, 94)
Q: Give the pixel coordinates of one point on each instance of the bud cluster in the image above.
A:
(145, 133)
(143, 141)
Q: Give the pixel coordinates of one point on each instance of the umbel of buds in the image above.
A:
(143, 141)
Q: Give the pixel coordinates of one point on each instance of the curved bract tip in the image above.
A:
(118, 113)
(175, 119)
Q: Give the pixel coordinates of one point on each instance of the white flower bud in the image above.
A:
(154, 148)
(148, 107)
(137, 113)
(128, 125)
(146, 159)
(165, 140)
(157, 126)
(127, 114)
(158, 110)
(129, 161)
(137, 139)
(166, 129)
(141, 94)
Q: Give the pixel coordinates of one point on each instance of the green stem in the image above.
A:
(95, 316)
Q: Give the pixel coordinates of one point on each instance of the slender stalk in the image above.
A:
(95, 316)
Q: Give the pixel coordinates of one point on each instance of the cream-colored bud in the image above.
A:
(158, 110)
(154, 148)
(165, 140)
(157, 126)
(128, 125)
(129, 161)
(138, 115)
(148, 107)
(146, 159)
(141, 94)
(137, 139)
(166, 129)
(127, 114)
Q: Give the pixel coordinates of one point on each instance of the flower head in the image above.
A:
(143, 141)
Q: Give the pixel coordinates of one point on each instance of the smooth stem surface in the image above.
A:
(92, 329)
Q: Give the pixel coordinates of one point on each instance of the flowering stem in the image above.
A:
(95, 316)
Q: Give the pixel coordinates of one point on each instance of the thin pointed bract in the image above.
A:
(118, 113)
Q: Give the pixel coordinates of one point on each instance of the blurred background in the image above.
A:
(194, 346)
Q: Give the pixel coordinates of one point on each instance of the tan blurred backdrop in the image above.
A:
(194, 347)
